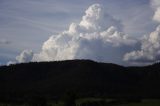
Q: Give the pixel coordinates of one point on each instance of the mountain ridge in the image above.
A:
(84, 77)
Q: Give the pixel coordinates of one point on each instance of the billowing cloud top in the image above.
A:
(88, 39)
(98, 36)
(92, 39)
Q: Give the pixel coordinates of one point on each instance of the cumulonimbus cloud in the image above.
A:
(95, 37)
(88, 39)
(98, 36)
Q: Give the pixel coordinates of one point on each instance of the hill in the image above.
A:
(84, 78)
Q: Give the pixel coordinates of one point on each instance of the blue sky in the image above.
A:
(27, 24)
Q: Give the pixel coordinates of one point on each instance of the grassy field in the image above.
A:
(112, 102)
(98, 102)
(149, 102)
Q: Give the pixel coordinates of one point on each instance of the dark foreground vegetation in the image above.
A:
(79, 82)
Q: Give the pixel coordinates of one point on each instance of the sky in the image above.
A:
(124, 32)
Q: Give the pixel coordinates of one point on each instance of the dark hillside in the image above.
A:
(83, 77)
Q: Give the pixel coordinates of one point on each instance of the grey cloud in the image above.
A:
(150, 49)
(150, 45)
(25, 56)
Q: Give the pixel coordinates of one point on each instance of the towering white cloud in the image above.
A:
(92, 17)
(97, 37)
(89, 39)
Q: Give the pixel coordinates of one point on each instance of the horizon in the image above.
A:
(77, 60)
